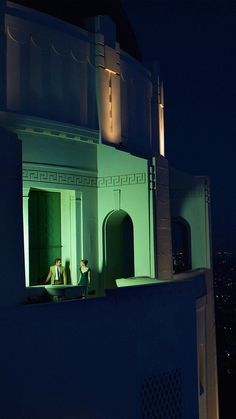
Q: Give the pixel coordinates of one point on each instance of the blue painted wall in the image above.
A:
(89, 359)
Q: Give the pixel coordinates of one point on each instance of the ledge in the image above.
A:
(21, 123)
(48, 293)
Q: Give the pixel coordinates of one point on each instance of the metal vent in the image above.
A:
(161, 396)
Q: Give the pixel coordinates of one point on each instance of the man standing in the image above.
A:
(57, 274)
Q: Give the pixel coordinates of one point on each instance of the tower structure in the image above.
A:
(82, 126)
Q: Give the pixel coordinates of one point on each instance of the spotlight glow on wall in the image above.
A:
(111, 107)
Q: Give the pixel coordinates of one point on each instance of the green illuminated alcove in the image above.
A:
(44, 233)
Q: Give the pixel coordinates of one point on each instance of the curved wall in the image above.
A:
(49, 72)
(57, 71)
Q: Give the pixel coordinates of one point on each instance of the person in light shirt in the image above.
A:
(57, 274)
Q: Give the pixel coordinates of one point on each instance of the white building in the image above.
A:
(97, 185)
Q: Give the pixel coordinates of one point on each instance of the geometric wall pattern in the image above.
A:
(161, 396)
(50, 176)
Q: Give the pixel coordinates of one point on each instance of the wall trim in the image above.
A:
(75, 177)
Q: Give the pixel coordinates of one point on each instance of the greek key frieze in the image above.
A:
(49, 176)
(58, 178)
(121, 180)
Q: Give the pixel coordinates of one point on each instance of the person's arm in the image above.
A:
(89, 277)
(79, 277)
(49, 276)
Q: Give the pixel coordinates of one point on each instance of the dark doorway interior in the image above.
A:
(119, 247)
(181, 245)
(44, 233)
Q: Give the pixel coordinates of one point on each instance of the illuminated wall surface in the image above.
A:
(82, 122)
(190, 198)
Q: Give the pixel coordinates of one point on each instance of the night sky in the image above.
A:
(195, 44)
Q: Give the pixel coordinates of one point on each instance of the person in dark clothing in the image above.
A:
(85, 277)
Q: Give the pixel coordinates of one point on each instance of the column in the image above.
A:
(11, 221)
(78, 248)
(26, 233)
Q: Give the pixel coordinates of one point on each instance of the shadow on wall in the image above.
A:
(68, 272)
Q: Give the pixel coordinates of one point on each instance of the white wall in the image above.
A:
(129, 175)
(57, 71)
(49, 71)
(190, 200)
(136, 95)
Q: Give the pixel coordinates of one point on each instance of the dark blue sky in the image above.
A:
(195, 43)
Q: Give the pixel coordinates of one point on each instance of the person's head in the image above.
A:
(58, 262)
(83, 262)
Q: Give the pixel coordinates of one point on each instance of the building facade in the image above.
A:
(84, 175)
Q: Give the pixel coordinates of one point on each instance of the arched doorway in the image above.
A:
(118, 247)
(181, 245)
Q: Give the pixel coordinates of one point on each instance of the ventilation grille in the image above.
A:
(161, 396)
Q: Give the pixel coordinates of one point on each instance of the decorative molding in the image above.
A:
(121, 180)
(152, 178)
(117, 198)
(207, 194)
(50, 176)
(19, 35)
(71, 179)
(21, 123)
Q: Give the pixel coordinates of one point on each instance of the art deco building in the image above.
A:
(83, 174)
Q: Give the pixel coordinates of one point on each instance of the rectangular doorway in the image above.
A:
(44, 233)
